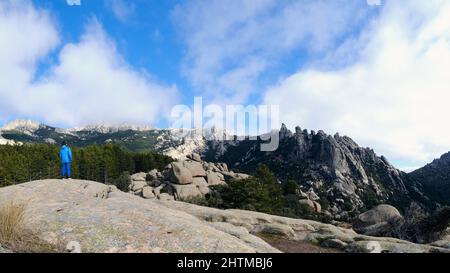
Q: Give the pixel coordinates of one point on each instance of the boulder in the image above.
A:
(201, 184)
(153, 175)
(195, 168)
(210, 167)
(138, 185)
(179, 174)
(317, 207)
(147, 192)
(312, 195)
(183, 192)
(215, 178)
(309, 203)
(376, 220)
(138, 177)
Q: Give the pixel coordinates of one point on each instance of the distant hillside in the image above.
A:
(133, 138)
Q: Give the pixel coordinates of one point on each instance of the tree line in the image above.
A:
(106, 163)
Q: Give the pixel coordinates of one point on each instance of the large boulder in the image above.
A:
(137, 185)
(179, 174)
(214, 178)
(184, 192)
(201, 184)
(103, 219)
(196, 168)
(154, 175)
(315, 206)
(147, 192)
(376, 221)
(138, 176)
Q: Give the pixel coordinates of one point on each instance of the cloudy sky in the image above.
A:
(377, 73)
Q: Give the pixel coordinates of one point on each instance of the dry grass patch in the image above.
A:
(14, 235)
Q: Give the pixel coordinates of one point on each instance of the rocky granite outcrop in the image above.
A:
(376, 221)
(347, 178)
(92, 217)
(103, 219)
(324, 235)
(182, 180)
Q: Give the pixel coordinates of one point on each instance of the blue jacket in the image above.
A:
(65, 154)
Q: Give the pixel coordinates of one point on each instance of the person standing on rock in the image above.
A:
(66, 158)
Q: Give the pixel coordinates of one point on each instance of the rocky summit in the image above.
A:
(348, 179)
(92, 217)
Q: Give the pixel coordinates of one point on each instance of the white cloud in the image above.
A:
(90, 83)
(394, 96)
(123, 10)
(230, 46)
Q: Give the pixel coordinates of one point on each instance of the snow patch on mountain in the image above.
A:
(188, 142)
(24, 126)
(106, 129)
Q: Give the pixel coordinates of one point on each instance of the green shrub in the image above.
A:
(418, 227)
(122, 182)
(291, 187)
(293, 208)
(258, 193)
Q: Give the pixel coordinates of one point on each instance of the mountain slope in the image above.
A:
(347, 178)
(435, 178)
(134, 138)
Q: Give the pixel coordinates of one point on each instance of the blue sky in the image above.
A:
(151, 36)
(144, 34)
(378, 73)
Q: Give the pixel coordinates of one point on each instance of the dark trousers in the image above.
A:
(66, 170)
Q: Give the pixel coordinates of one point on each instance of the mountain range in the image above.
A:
(345, 177)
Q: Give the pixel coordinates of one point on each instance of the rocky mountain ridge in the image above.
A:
(347, 178)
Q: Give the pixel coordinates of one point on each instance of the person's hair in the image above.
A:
(63, 143)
